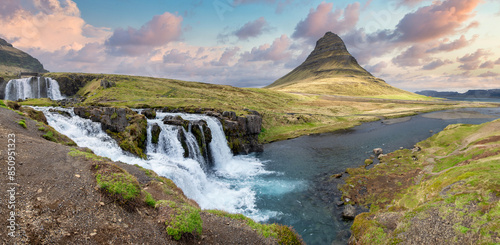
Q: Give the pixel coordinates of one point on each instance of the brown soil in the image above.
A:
(57, 200)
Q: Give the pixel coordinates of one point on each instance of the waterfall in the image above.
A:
(33, 87)
(225, 185)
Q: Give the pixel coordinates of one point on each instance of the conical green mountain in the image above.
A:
(13, 60)
(331, 69)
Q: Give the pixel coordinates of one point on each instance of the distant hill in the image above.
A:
(331, 69)
(478, 93)
(13, 60)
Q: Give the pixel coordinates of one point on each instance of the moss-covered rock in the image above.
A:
(126, 126)
(155, 133)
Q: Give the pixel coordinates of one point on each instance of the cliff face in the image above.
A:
(13, 60)
(331, 69)
(70, 84)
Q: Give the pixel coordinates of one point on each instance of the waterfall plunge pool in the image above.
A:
(278, 185)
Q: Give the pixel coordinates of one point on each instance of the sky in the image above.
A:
(447, 45)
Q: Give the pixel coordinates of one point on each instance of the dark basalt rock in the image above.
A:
(149, 113)
(63, 113)
(126, 126)
(155, 133)
(242, 132)
(3, 85)
(71, 83)
(176, 120)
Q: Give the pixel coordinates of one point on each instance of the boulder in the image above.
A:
(155, 133)
(149, 113)
(349, 212)
(107, 84)
(231, 115)
(378, 151)
(176, 120)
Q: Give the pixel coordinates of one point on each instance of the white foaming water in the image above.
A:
(33, 87)
(230, 184)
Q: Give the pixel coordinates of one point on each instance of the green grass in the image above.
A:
(284, 234)
(39, 102)
(186, 219)
(22, 122)
(283, 113)
(122, 184)
(460, 194)
(2, 104)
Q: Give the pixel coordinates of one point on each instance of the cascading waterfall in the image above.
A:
(229, 184)
(33, 87)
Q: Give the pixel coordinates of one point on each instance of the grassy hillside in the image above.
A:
(446, 193)
(13, 60)
(285, 115)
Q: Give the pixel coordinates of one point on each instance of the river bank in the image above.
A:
(444, 191)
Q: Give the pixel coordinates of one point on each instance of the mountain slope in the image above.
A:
(331, 69)
(13, 60)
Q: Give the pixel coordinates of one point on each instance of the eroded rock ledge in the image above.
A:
(126, 126)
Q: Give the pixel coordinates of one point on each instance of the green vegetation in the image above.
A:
(22, 122)
(184, 219)
(284, 234)
(52, 135)
(453, 179)
(122, 184)
(39, 102)
(2, 104)
(285, 115)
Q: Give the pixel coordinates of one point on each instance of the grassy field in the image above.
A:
(448, 192)
(285, 115)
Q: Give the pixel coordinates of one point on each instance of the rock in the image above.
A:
(175, 120)
(149, 113)
(378, 151)
(155, 133)
(349, 212)
(107, 84)
(337, 176)
(368, 161)
(63, 113)
(229, 115)
(381, 156)
(34, 114)
(253, 123)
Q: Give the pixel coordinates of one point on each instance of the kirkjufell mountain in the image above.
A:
(331, 69)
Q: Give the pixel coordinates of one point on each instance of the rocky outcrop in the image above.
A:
(155, 133)
(107, 84)
(3, 84)
(149, 113)
(242, 132)
(126, 126)
(70, 84)
(349, 212)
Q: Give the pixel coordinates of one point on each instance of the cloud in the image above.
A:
(8, 8)
(48, 25)
(457, 44)
(177, 57)
(322, 19)
(488, 64)
(413, 56)
(409, 3)
(497, 62)
(277, 51)
(377, 68)
(282, 5)
(158, 31)
(489, 74)
(436, 64)
(227, 57)
(473, 60)
(438, 20)
(252, 29)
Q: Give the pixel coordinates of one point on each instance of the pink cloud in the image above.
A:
(436, 64)
(457, 44)
(8, 8)
(159, 31)
(473, 60)
(252, 29)
(322, 19)
(377, 68)
(488, 64)
(438, 20)
(277, 51)
(497, 62)
(177, 57)
(410, 3)
(227, 56)
(489, 74)
(413, 56)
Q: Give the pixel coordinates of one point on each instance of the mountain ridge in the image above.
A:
(13, 60)
(331, 69)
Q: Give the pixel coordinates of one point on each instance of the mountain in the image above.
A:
(331, 69)
(481, 93)
(13, 60)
